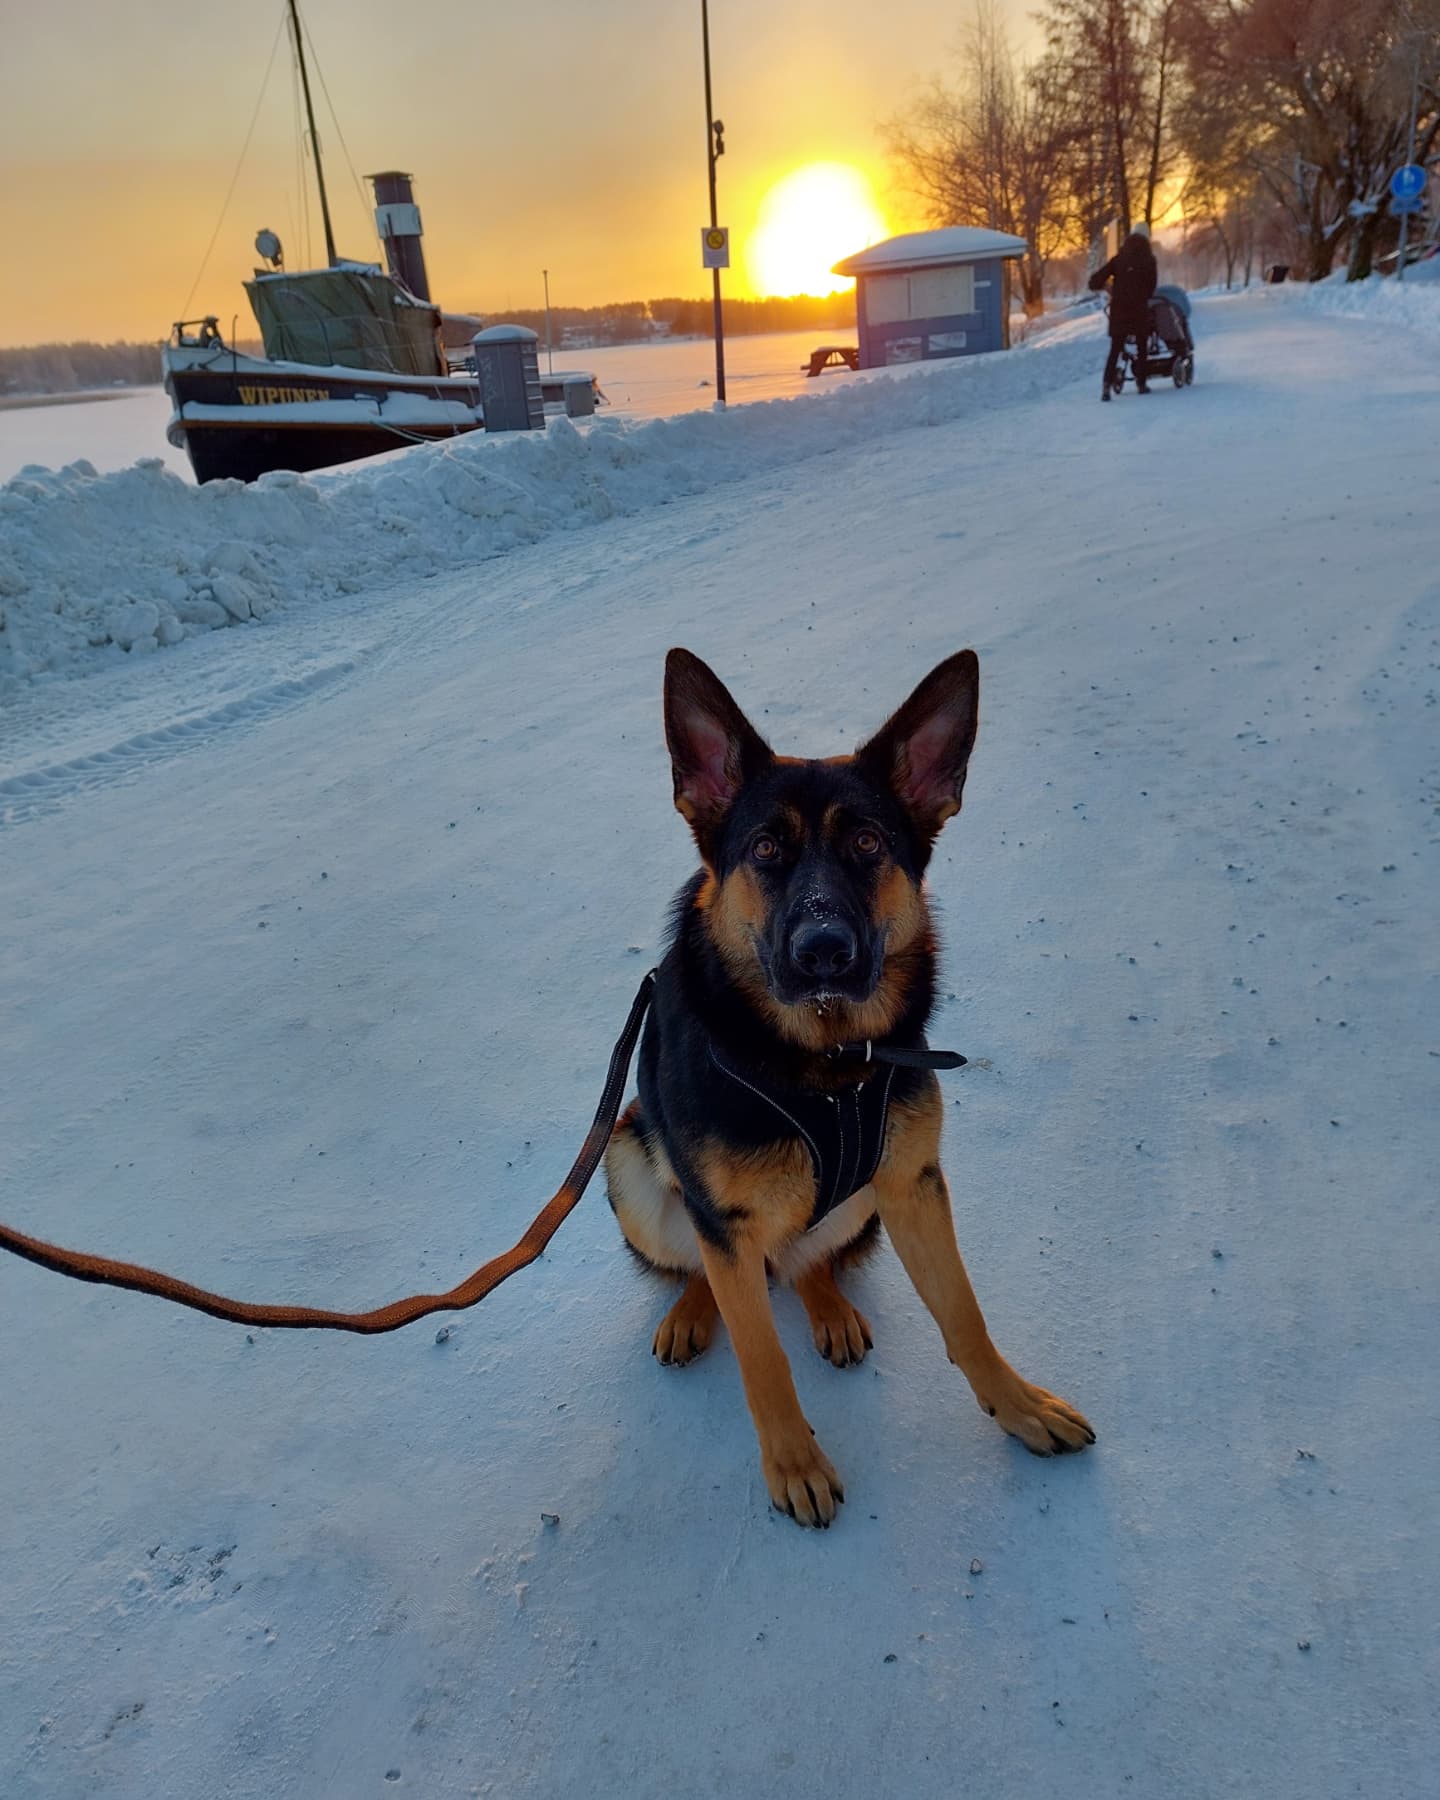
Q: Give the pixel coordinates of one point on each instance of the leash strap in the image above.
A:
(905, 1059)
(485, 1280)
(923, 1059)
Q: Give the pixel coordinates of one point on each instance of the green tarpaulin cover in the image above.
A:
(352, 316)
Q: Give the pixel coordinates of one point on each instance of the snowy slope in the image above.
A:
(98, 568)
(317, 938)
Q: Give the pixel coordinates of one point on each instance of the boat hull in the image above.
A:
(240, 417)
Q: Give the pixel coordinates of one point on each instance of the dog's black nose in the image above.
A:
(824, 947)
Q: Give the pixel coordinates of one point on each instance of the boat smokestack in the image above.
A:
(397, 219)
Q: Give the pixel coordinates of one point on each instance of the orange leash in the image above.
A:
(84, 1267)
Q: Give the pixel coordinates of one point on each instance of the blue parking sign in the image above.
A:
(1408, 183)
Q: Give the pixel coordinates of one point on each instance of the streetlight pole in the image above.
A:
(714, 150)
(549, 351)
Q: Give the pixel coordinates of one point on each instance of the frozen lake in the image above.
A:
(650, 380)
(111, 433)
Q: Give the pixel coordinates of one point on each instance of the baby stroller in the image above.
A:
(1171, 350)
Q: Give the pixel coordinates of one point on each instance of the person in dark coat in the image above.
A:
(1132, 275)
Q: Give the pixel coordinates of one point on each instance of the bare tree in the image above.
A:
(1097, 49)
(1281, 120)
(1160, 58)
(991, 149)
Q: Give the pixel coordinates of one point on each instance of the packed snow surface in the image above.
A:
(317, 936)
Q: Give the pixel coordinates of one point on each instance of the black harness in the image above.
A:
(843, 1130)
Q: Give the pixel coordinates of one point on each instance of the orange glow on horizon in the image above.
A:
(807, 222)
(119, 162)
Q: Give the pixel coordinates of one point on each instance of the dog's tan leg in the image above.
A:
(685, 1331)
(914, 1205)
(800, 1477)
(841, 1331)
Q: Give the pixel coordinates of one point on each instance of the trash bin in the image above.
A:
(1276, 273)
(507, 367)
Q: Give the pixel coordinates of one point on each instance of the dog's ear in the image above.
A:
(922, 752)
(714, 749)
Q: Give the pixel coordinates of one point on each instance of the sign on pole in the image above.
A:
(1408, 183)
(1407, 206)
(715, 246)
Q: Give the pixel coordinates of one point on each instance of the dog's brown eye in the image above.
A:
(764, 849)
(866, 843)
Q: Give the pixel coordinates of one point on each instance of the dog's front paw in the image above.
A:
(802, 1482)
(685, 1331)
(679, 1341)
(841, 1332)
(1044, 1423)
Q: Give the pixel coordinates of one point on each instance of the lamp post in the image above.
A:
(714, 150)
(549, 351)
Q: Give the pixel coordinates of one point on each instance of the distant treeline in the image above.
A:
(66, 368)
(630, 320)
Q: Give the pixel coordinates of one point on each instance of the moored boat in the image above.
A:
(358, 358)
(354, 365)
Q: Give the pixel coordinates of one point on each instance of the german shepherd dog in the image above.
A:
(769, 1137)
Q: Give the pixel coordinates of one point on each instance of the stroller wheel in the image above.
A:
(1179, 374)
(1189, 371)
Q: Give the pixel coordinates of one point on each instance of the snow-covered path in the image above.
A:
(317, 936)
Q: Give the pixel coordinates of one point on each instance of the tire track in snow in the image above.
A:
(26, 795)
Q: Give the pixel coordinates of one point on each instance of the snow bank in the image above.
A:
(1413, 304)
(96, 567)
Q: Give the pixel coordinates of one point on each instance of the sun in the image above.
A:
(806, 223)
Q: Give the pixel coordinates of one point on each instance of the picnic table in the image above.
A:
(832, 356)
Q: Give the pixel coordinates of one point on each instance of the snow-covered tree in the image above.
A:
(1320, 91)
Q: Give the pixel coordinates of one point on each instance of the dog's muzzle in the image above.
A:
(824, 950)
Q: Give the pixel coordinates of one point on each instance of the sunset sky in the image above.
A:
(566, 134)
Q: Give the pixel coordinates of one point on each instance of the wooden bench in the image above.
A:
(832, 356)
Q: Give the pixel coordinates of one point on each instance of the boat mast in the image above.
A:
(314, 136)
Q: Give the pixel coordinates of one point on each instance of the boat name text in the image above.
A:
(277, 396)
